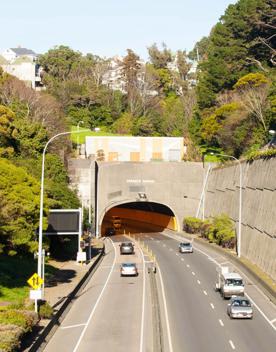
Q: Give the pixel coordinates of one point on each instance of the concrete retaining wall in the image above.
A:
(258, 238)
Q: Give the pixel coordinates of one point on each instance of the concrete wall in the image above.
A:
(258, 237)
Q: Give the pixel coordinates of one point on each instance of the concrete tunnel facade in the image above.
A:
(175, 186)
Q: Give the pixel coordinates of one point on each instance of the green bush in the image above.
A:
(222, 231)
(192, 225)
(24, 319)
(45, 310)
(10, 336)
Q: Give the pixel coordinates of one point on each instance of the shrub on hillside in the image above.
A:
(222, 231)
(24, 319)
(10, 336)
(45, 310)
(192, 225)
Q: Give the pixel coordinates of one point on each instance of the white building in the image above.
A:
(21, 63)
(137, 149)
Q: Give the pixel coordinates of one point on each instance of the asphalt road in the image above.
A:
(111, 314)
(197, 314)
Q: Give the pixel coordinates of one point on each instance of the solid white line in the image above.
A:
(72, 326)
(205, 293)
(273, 321)
(98, 300)
(232, 345)
(143, 302)
(166, 310)
(193, 273)
(211, 304)
(182, 259)
(221, 322)
(198, 282)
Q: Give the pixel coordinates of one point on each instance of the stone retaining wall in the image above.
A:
(258, 238)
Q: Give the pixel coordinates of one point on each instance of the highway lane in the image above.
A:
(197, 313)
(109, 315)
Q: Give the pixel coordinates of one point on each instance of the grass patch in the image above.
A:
(82, 135)
(14, 273)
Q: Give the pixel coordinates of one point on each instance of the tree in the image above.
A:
(160, 58)
(253, 89)
(130, 72)
(8, 132)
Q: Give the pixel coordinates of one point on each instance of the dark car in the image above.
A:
(110, 231)
(127, 248)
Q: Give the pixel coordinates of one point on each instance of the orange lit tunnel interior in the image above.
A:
(140, 217)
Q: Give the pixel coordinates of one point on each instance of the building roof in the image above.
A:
(23, 51)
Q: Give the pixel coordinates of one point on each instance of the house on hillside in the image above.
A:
(22, 63)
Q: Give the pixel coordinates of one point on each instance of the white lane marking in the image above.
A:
(198, 282)
(177, 254)
(98, 300)
(211, 304)
(205, 293)
(72, 326)
(193, 273)
(232, 345)
(166, 310)
(182, 259)
(187, 265)
(220, 264)
(143, 302)
(261, 312)
(273, 321)
(221, 322)
(171, 249)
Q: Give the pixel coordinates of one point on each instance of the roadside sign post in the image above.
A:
(35, 281)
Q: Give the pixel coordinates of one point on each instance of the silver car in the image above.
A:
(129, 269)
(127, 248)
(185, 247)
(240, 307)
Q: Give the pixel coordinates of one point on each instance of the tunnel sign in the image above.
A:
(35, 281)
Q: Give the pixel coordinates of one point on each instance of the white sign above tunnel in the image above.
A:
(140, 181)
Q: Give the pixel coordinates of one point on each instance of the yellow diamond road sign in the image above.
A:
(35, 281)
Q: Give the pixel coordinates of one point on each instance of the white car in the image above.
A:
(185, 247)
(129, 269)
(240, 307)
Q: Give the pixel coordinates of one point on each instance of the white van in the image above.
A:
(229, 283)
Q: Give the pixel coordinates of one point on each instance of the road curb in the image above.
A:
(268, 291)
(41, 342)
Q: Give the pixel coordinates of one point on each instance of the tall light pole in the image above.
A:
(240, 202)
(39, 261)
(78, 138)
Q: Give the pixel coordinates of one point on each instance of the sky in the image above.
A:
(107, 27)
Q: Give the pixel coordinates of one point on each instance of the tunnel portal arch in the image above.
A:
(148, 216)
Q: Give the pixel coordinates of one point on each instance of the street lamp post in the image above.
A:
(240, 202)
(78, 138)
(40, 252)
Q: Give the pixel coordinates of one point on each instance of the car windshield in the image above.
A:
(128, 265)
(234, 282)
(185, 244)
(127, 244)
(241, 303)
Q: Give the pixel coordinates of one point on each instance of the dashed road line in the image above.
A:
(171, 249)
(232, 345)
(187, 265)
(211, 304)
(182, 259)
(221, 322)
(198, 282)
(193, 273)
(177, 254)
(205, 293)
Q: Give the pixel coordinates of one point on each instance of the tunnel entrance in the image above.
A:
(136, 217)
